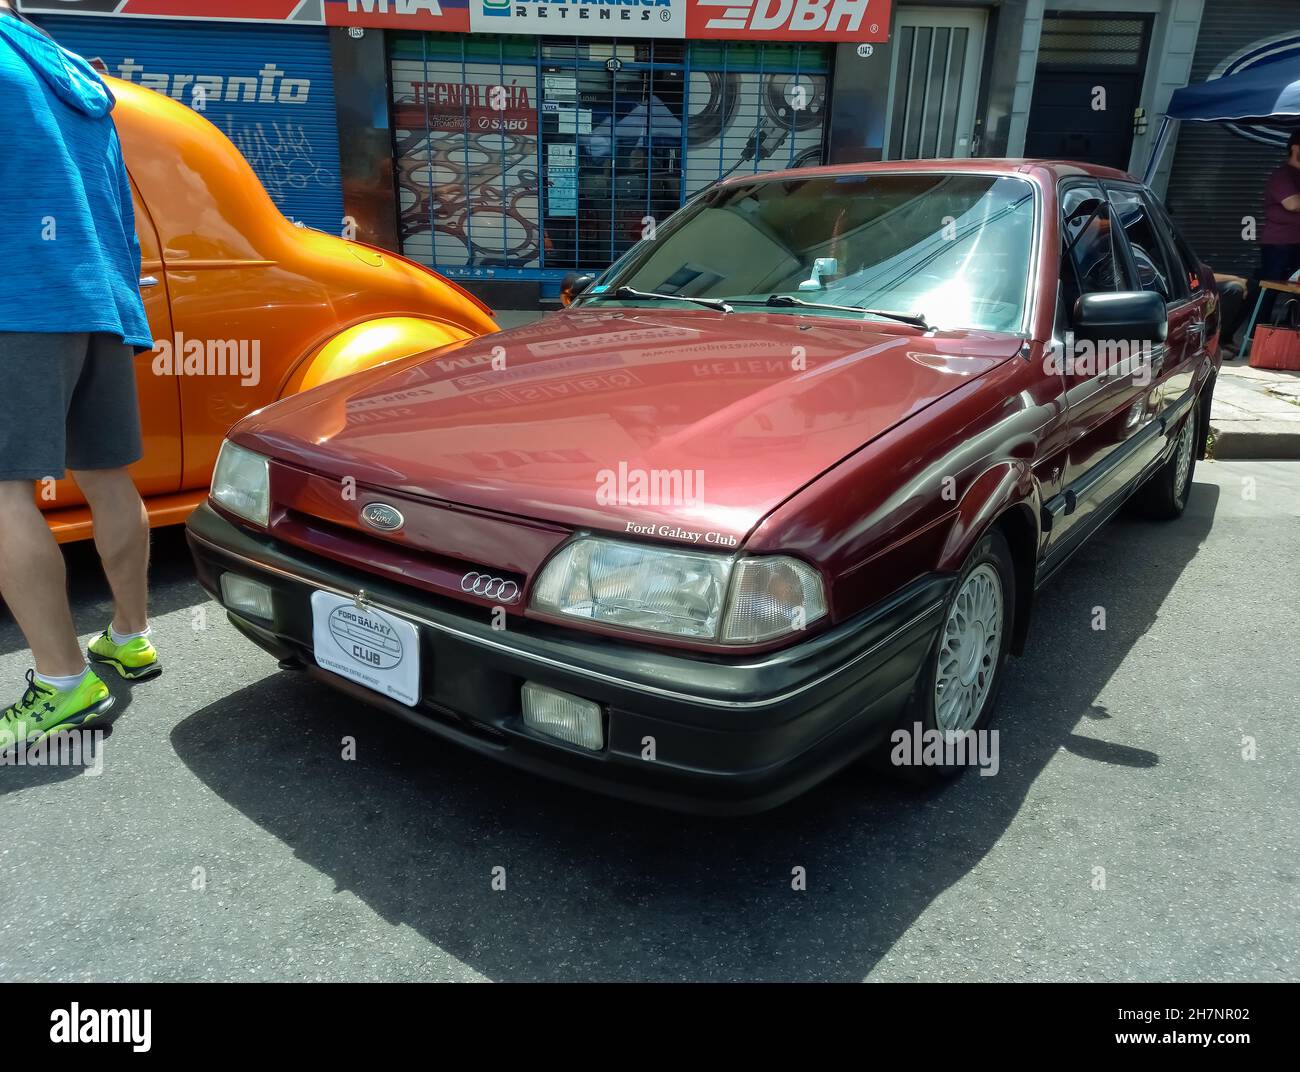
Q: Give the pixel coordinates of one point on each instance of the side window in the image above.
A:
(1186, 258)
(1092, 263)
(1131, 213)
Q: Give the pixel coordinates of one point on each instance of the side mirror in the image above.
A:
(574, 284)
(1111, 316)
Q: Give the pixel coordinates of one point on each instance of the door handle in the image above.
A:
(1158, 352)
(148, 281)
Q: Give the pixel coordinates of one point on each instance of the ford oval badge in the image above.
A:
(383, 517)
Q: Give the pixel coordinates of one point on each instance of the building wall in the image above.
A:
(1026, 65)
(1173, 38)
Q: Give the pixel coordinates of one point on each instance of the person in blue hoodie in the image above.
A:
(71, 322)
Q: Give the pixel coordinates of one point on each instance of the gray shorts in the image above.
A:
(66, 402)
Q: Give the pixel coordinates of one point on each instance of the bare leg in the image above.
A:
(122, 540)
(34, 583)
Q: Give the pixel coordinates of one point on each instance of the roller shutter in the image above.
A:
(269, 88)
(1218, 173)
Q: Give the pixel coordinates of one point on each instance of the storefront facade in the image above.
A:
(507, 142)
(502, 143)
(527, 157)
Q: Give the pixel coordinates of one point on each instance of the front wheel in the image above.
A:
(957, 690)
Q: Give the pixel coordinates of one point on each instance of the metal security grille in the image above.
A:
(1217, 177)
(524, 157)
(1086, 41)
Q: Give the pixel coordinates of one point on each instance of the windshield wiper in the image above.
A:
(778, 300)
(628, 292)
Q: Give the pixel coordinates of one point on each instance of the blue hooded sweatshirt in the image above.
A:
(68, 245)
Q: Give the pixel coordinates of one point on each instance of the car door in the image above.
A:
(159, 471)
(1188, 313)
(1158, 269)
(1106, 392)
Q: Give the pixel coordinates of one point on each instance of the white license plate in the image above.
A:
(367, 646)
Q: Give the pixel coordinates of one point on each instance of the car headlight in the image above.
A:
(242, 483)
(680, 593)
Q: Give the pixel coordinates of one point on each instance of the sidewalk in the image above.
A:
(1256, 413)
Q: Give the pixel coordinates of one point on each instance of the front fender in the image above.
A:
(997, 490)
(365, 345)
(1005, 494)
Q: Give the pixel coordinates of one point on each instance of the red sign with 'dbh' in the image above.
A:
(789, 20)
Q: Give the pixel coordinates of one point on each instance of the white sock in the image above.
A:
(122, 638)
(63, 684)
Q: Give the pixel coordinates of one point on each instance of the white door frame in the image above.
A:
(974, 21)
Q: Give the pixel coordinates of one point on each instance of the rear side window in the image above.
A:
(1186, 256)
(1131, 212)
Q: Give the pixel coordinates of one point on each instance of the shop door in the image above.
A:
(934, 84)
(612, 148)
(1088, 84)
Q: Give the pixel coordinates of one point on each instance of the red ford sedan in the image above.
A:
(779, 485)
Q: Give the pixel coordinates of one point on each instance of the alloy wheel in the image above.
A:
(1183, 457)
(969, 650)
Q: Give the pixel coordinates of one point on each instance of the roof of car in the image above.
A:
(1059, 169)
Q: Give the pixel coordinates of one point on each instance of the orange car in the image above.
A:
(246, 306)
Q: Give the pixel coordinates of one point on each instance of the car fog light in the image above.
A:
(559, 715)
(245, 596)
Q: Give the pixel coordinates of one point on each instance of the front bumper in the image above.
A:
(730, 735)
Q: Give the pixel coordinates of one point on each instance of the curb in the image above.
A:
(1252, 418)
(1237, 443)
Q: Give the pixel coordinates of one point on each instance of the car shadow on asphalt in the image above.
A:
(599, 889)
(172, 583)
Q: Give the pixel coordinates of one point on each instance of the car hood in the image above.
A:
(680, 420)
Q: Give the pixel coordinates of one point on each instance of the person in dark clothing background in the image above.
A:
(1279, 238)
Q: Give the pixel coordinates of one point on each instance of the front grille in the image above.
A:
(439, 575)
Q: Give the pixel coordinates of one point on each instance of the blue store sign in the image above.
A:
(270, 89)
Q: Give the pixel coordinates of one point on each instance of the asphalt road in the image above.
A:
(226, 838)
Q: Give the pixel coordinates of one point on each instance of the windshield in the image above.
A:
(952, 248)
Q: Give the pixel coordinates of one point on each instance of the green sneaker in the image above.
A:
(136, 660)
(44, 709)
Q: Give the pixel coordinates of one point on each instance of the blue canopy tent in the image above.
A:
(1261, 92)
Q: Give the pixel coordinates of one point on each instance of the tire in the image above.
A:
(988, 573)
(1164, 495)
